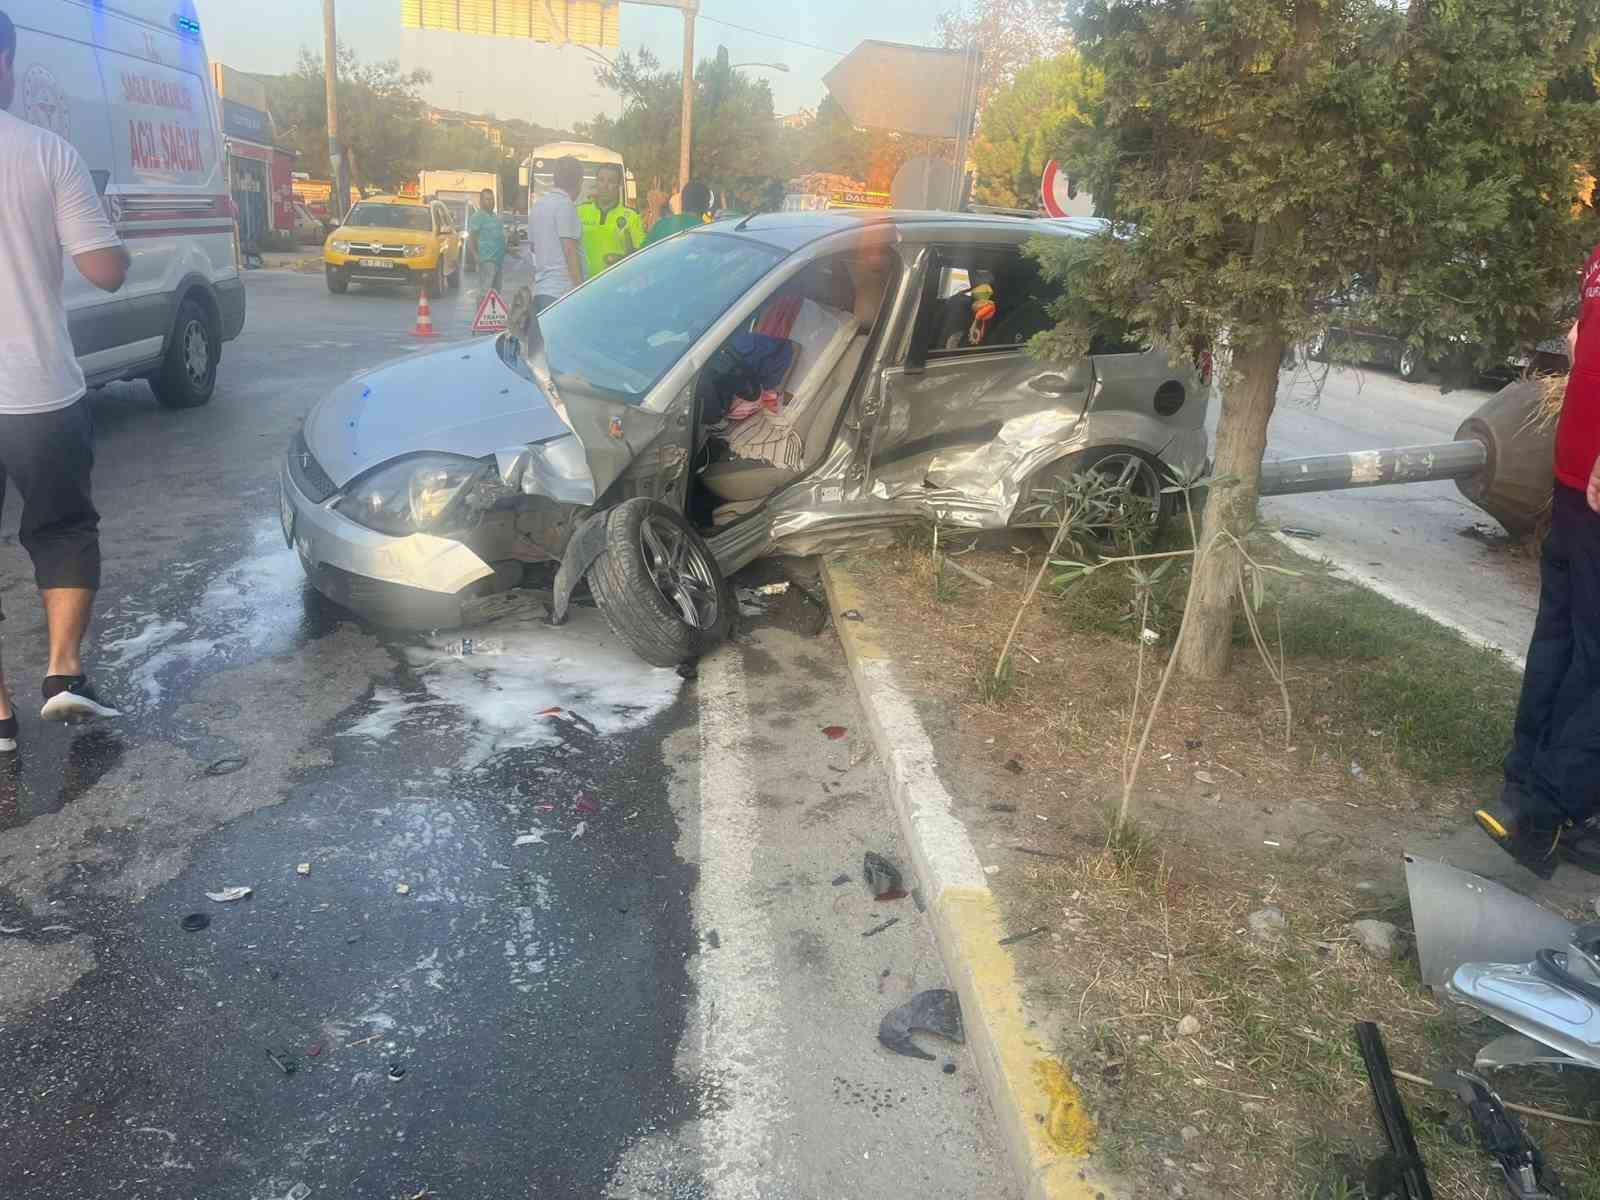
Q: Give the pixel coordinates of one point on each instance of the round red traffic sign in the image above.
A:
(1055, 190)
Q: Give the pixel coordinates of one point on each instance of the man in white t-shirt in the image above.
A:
(555, 233)
(48, 209)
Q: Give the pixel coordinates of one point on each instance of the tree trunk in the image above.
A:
(1249, 393)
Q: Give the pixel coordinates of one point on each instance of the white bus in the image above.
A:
(536, 170)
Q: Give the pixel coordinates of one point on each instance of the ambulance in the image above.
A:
(127, 83)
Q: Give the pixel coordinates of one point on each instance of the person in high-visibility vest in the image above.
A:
(611, 230)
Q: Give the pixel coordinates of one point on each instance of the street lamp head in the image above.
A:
(769, 66)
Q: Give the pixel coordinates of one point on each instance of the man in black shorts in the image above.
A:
(49, 208)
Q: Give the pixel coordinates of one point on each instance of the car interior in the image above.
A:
(772, 395)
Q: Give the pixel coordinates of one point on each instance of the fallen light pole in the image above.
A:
(1373, 468)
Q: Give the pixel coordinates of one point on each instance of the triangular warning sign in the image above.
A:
(492, 313)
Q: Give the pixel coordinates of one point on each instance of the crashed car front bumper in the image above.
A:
(393, 580)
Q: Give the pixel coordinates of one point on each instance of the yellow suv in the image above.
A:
(394, 239)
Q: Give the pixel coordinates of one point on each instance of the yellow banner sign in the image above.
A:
(586, 22)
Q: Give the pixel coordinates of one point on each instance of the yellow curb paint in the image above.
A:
(1068, 1126)
(847, 596)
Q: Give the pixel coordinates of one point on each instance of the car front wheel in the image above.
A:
(338, 281)
(435, 282)
(1411, 365)
(658, 585)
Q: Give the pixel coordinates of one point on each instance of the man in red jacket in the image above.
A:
(1553, 770)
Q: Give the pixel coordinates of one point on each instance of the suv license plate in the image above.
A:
(286, 515)
(381, 264)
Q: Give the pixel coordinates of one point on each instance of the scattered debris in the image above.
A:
(771, 589)
(1295, 531)
(581, 828)
(298, 1192)
(314, 1050)
(195, 922)
(395, 1071)
(1501, 1136)
(536, 838)
(282, 1062)
(834, 732)
(1023, 936)
(1266, 924)
(840, 880)
(853, 614)
(1192, 743)
(1378, 938)
(1270, 842)
(860, 754)
(302, 869)
(1036, 853)
(882, 877)
(1206, 777)
(877, 929)
(1356, 770)
(229, 894)
(402, 889)
(468, 647)
(949, 1067)
(937, 1010)
(713, 939)
(1189, 1026)
(226, 765)
(968, 572)
(1489, 535)
(991, 869)
(1412, 1176)
(1463, 918)
(364, 1041)
(1014, 764)
(13, 930)
(552, 711)
(585, 803)
(689, 671)
(1003, 808)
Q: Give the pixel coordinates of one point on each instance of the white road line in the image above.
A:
(739, 1022)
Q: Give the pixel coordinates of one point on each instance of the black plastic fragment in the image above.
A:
(226, 765)
(195, 922)
(937, 1010)
(286, 1065)
(882, 876)
(877, 929)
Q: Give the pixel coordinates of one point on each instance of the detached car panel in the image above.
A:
(780, 384)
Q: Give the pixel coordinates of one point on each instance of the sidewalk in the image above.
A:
(307, 258)
(1168, 1012)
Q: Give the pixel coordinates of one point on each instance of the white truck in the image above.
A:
(459, 191)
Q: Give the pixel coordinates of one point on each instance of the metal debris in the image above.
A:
(1460, 918)
(229, 894)
(302, 869)
(937, 1010)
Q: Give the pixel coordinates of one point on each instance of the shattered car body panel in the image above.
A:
(921, 431)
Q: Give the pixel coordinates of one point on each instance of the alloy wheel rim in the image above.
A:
(680, 572)
(196, 353)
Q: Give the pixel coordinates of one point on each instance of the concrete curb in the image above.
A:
(1048, 1132)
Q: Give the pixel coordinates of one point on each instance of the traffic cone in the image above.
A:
(424, 327)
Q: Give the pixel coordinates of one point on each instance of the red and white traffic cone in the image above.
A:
(424, 327)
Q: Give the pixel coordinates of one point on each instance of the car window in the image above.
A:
(984, 298)
(622, 331)
(390, 216)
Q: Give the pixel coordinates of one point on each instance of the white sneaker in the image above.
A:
(69, 698)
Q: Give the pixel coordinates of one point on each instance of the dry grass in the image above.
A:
(1396, 727)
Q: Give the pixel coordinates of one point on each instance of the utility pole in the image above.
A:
(686, 130)
(339, 197)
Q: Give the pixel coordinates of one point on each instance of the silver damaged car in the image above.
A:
(782, 384)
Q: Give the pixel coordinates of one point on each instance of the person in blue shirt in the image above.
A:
(488, 236)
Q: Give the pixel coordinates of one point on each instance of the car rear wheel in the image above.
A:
(188, 376)
(1411, 366)
(338, 281)
(658, 585)
(1143, 508)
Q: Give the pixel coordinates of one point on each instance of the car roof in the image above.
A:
(789, 231)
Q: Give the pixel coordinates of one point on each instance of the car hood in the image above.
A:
(461, 399)
(376, 233)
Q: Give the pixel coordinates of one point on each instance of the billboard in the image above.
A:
(585, 22)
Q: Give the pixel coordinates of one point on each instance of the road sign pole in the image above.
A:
(969, 116)
(339, 194)
(686, 131)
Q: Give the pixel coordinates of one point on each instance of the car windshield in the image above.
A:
(621, 332)
(391, 216)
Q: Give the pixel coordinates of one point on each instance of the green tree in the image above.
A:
(1263, 156)
(1026, 121)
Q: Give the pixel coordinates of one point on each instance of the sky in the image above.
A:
(267, 38)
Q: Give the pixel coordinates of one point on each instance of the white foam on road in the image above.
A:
(581, 668)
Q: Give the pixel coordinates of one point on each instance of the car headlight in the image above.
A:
(431, 493)
(417, 251)
(340, 246)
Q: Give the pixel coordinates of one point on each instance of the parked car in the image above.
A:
(779, 385)
(146, 122)
(393, 239)
(308, 227)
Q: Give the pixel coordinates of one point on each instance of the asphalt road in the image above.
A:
(600, 952)
(1418, 543)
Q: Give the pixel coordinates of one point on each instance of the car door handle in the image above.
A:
(1050, 385)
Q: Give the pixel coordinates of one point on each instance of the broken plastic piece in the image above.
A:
(1522, 998)
(286, 1065)
(852, 614)
(585, 803)
(226, 765)
(877, 929)
(688, 670)
(937, 1010)
(1462, 918)
(1501, 1136)
(1412, 1176)
(228, 894)
(302, 869)
(553, 711)
(1014, 764)
(771, 589)
(314, 1050)
(579, 830)
(1514, 1050)
(536, 838)
(882, 876)
(834, 732)
(195, 922)
(840, 879)
(713, 939)
(396, 1071)
(298, 1192)
(1295, 531)
(402, 889)
(1023, 936)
